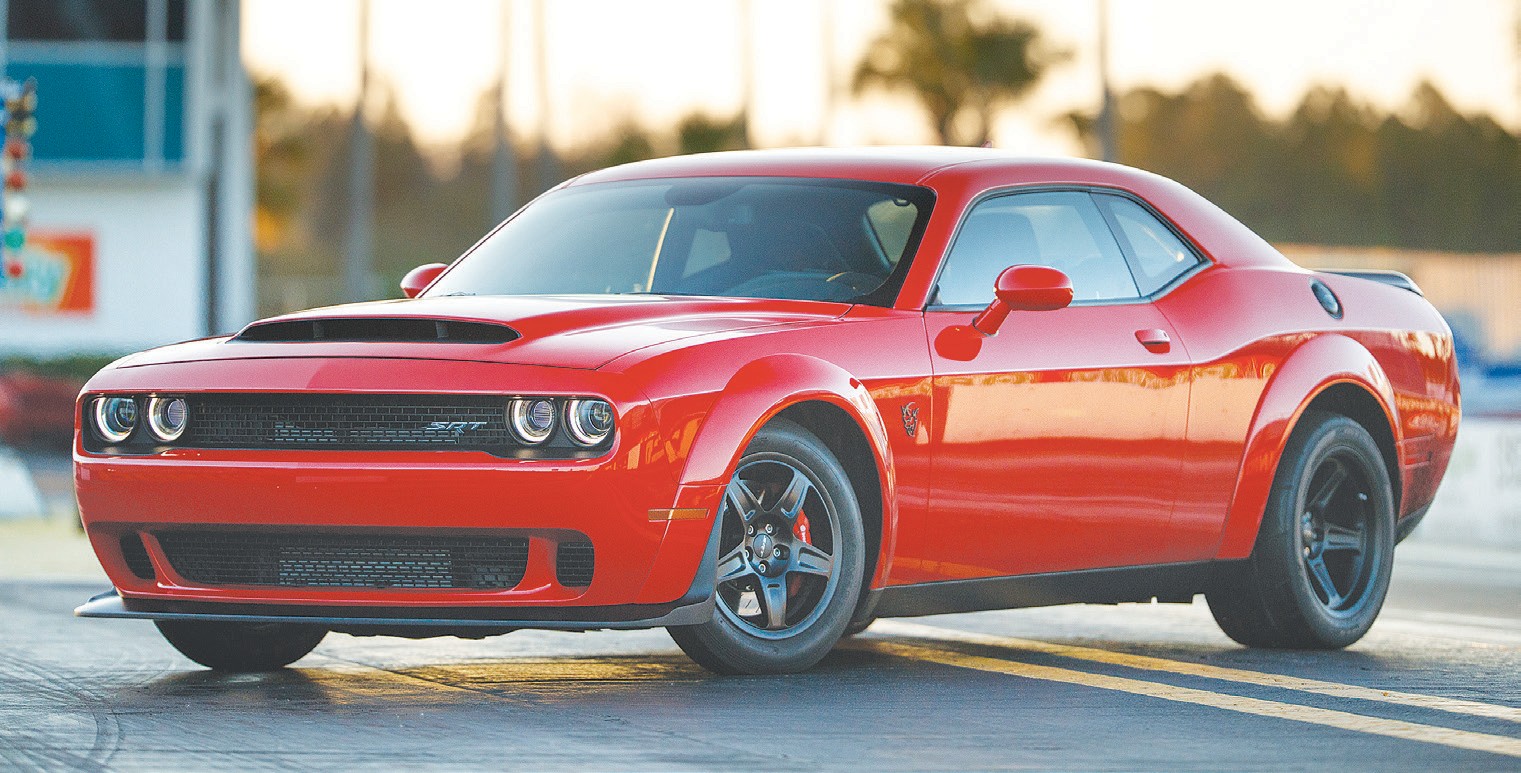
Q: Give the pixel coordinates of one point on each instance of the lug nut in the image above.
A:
(764, 567)
(781, 552)
(770, 528)
(750, 531)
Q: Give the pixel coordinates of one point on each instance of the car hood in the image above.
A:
(556, 331)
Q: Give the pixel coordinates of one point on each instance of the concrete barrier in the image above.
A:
(1479, 503)
(19, 497)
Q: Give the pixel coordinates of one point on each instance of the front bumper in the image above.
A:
(646, 569)
(693, 608)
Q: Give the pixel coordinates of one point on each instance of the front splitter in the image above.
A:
(627, 617)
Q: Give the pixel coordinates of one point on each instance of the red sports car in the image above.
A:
(762, 398)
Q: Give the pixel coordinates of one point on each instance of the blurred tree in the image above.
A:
(959, 59)
(1335, 170)
(702, 133)
(282, 153)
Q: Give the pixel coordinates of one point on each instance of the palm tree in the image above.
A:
(959, 60)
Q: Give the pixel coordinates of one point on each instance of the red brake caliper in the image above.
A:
(800, 530)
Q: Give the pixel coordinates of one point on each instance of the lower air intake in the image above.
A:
(136, 555)
(574, 562)
(332, 560)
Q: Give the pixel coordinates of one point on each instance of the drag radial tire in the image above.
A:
(1318, 573)
(790, 559)
(242, 647)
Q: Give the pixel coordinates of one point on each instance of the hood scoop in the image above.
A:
(378, 329)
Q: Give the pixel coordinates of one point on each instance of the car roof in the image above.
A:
(971, 171)
(886, 164)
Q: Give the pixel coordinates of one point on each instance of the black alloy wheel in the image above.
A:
(790, 559)
(1320, 568)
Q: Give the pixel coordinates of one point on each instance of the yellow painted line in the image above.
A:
(1332, 689)
(1391, 728)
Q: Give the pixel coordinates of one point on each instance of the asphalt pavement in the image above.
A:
(1436, 686)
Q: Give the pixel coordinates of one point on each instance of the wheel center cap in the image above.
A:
(764, 545)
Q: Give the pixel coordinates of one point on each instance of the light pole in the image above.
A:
(1108, 150)
(504, 160)
(359, 244)
(548, 173)
(746, 70)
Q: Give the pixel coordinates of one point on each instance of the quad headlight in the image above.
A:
(532, 419)
(115, 418)
(588, 421)
(535, 420)
(167, 417)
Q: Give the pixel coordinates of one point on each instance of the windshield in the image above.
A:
(743, 237)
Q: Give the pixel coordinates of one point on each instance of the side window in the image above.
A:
(709, 248)
(1160, 256)
(891, 221)
(1063, 230)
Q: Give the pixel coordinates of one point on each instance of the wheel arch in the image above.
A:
(827, 401)
(844, 438)
(1329, 372)
(1358, 403)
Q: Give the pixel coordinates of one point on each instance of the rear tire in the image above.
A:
(791, 558)
(241, 647)
(1320, 568)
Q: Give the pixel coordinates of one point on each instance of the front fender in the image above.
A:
(1310, 369)
(765, 387)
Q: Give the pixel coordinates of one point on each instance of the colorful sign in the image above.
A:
(55, 275)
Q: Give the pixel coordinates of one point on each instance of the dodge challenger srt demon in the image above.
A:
(763, 398)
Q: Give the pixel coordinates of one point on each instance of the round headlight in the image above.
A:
(167, 417)
(532, 419)
(589, 421)
(115, 418)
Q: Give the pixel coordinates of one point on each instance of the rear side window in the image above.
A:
(1060, 229)
(1160, 256)
(891, 223)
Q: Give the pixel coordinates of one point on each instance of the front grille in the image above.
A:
(269, 421)
(331, 560)
(574, 562)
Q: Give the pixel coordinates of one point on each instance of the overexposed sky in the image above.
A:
(652, 61)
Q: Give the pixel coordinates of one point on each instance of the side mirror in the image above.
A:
(419, 278)
(1024, 288)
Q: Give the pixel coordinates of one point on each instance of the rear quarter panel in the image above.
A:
(1263, 348)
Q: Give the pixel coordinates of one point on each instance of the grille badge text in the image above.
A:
(456, 427)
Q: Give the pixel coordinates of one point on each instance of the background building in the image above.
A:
(141, 178)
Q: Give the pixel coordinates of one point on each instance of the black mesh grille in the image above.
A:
(136, 556)
(345, 560)
(347, 421)
(574, 562)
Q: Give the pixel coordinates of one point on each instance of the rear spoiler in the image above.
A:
(1392, 278)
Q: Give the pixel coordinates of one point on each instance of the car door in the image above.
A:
(1058, 441)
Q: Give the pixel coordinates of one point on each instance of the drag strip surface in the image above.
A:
(1093, 688)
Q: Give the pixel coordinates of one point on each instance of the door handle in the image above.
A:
(1154, 339)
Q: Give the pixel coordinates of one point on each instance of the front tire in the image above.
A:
(241, 647)
(791, 559)
(1320, 569)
